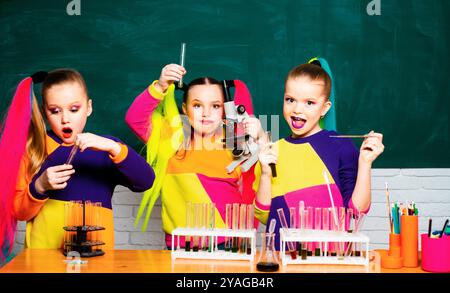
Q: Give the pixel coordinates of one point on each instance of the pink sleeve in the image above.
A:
(139, 115)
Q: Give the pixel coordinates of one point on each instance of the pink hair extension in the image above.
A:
(12, 148)
(242, 96)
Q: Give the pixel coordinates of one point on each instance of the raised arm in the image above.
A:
(139, 115)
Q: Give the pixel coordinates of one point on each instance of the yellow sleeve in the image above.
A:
(261, 211)
(156, 93)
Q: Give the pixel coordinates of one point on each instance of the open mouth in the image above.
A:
(297, 122)
(67, 132)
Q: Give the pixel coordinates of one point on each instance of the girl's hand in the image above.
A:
(252, 127)
(266, 156)
(371, 147)
(169, 74)
(54, 178)
(98, 143)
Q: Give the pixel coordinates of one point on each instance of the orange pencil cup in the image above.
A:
(391, 259)
(409, 233)
(436, 254)
(394, 245)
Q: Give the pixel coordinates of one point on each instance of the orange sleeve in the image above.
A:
(26, 206)
(121, 155)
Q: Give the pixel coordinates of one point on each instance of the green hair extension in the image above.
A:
(329, 121)
(164, 141)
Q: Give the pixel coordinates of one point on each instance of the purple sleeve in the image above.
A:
(134, 172)
(138, 116)
(348, 171)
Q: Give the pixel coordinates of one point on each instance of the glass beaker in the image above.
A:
(268, 259)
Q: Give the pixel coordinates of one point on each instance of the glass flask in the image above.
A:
(268, 258)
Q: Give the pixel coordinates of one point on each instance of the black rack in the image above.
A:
(78, 241)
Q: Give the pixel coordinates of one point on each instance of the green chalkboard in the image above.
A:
(391, 70)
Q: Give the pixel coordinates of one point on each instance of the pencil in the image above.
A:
(429, 227)
(388, 205)
(443, 229)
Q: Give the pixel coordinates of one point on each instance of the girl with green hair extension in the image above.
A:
(186, 151)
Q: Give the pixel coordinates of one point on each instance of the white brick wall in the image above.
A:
(429, 188)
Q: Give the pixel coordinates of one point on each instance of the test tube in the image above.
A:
(201, 225)
(358, 226)
(350, 228)
(235, 226)
(84, 213)
(77, 217)
(310, 247)
(242, 226)
(318, 226)
(72, 154)
(334, 226)
(187, 240)
(293, 221)
(284, 224)
(88, 222)
(73, 220)
(301, 208)
(197, 215)
(250, 223)
(98, 221)
(350, 221)
(205, 225)
(212, 225)
(325, 226)
(182, 54)
(305, 225)
(341, 217)
(98, 218)
(90, 213)
(79, 213)
(292, 217)
(359, 221)
(228, 224)
(67, 215)
(301, 222)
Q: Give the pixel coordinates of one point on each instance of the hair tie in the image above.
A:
(316, 62)
(39, 76)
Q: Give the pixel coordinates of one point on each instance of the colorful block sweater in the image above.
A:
(197, 176)
(96, 175)
(300, 167)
